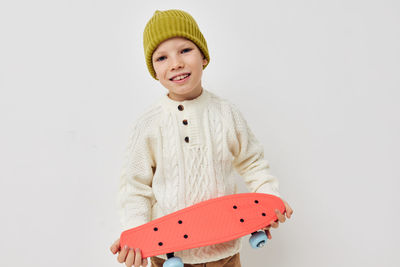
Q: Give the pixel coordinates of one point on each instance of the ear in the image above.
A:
(205, 61)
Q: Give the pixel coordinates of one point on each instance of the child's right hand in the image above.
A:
(128, 255)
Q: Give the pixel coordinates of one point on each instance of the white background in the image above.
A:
(318, 82)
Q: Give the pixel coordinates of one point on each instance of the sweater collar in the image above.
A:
(197, 102)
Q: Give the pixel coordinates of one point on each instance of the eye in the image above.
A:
(159, 59)
(183, 51)
(187, 49)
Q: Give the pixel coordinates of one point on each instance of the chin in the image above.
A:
(183, 90)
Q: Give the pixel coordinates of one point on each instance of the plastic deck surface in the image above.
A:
(205, 223)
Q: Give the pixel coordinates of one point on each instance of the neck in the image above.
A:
(190, 96)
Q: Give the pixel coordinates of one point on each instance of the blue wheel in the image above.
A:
(173, 262)
(258, 240)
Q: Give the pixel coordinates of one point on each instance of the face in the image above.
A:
(177, 56)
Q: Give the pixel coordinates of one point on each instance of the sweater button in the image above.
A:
(185, 122)
(187, 139)
(180, 107)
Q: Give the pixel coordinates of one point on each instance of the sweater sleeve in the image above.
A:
(249, 159)
(135, 196)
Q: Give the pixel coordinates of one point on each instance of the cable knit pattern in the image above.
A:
(217, 133)
(172, 170)
(171, 164)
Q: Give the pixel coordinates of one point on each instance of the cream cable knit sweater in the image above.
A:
(181, 153)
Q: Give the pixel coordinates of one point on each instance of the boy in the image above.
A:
(184, 148)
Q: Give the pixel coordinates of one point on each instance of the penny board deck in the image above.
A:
(206, 223)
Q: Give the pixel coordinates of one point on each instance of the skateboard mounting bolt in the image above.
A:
(160, 244)
(185, 236)
(155, 229)
(235, 207)
(241, 220)
(256, 201)
(263, 214)
(180, 222)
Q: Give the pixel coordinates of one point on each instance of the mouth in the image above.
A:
(180, 77)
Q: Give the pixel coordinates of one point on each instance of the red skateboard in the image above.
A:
(206, 223)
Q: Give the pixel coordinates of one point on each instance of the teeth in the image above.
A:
(180, 77)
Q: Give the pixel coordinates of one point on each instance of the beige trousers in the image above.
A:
(232, 261)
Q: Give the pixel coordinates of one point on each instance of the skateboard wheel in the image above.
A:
(258, 240)
(173, 262)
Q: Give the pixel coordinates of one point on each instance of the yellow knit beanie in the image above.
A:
(167, 24)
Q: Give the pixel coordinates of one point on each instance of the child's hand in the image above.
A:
(128, 255)
(281, 218)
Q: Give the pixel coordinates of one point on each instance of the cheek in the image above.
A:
(158, 70)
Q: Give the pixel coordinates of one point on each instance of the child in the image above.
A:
(184, 148)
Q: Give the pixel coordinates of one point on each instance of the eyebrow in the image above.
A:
(179, 47)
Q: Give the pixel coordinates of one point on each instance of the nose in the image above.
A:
(176, 63)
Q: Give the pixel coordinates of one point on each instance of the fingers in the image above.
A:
(275, 224)
(280, 216)
(289, 210)
(122, 254)
(269, 236)
(138, 258)
(115, 247)
(130, 258)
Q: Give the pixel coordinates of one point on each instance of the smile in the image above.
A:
(181, 78)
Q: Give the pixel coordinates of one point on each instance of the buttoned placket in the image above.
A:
(184, 122)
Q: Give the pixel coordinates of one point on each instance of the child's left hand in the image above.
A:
(281, 218)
